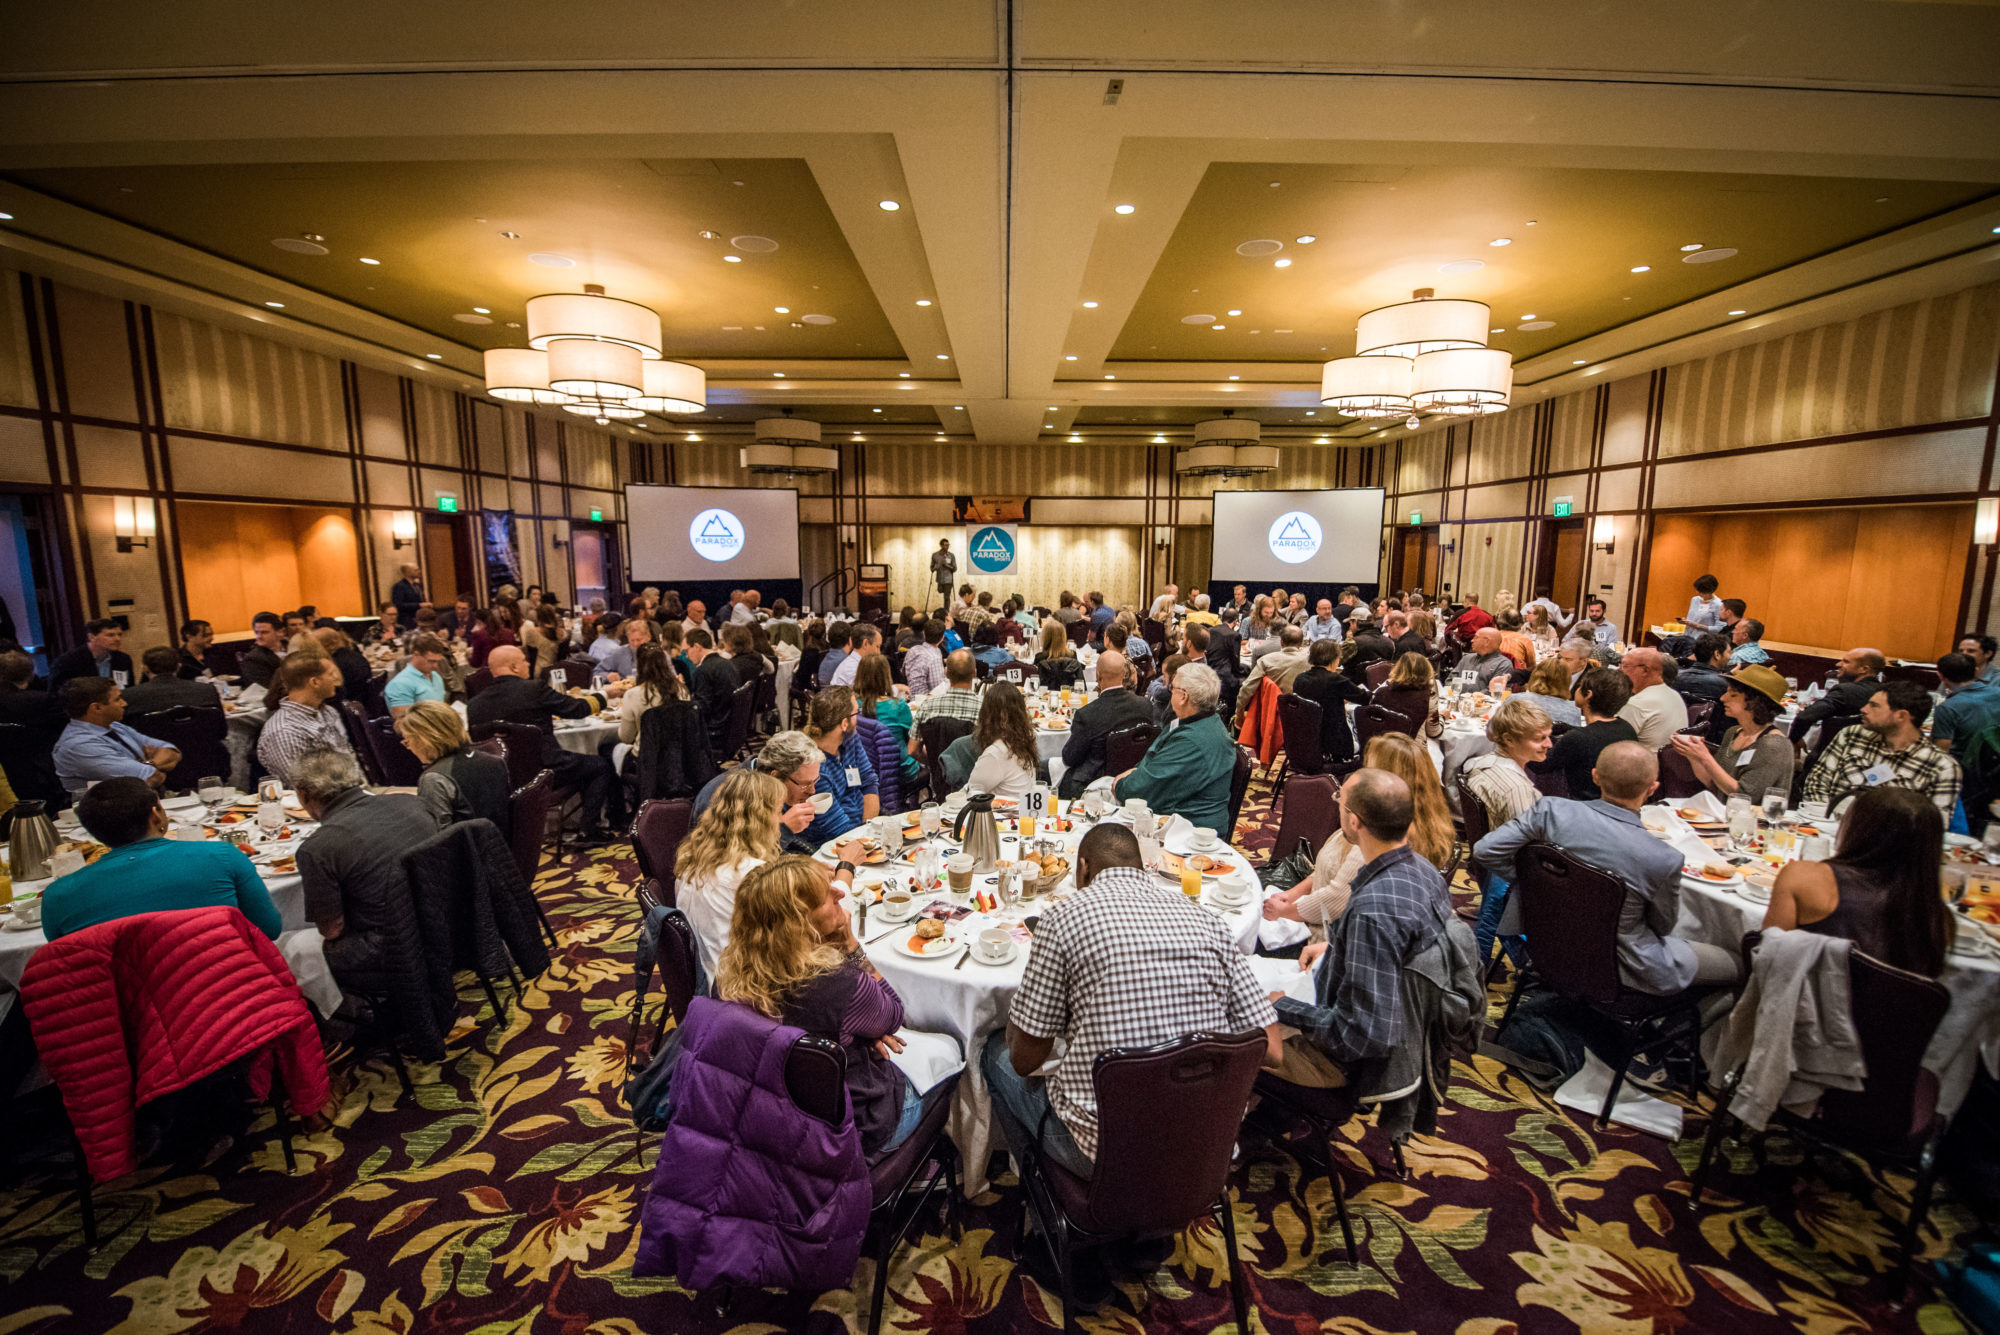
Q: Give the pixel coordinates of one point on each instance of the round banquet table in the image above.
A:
(969, 1001)
(1721, 915)
(583, 735)
(298, 940)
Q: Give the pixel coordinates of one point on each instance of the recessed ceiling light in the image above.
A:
(1159, 440)
(1692, 245)
(1218, 326)
(1090, 305)
(1319, 440)
(275, 305)
(694, 438)
(1501, 241)
(1076, 440)
(1048, 426)
(944, 356)
(1122, 208)
(1528, 317)
(1281, 264)
(856, 437)
(435, 356)
(732, 259)
(1995, 230)
(1054, 409)
(777, 375)
(1070, 358)
(1305, 240)
(874, 410)
(1111, 377)
(481, 310)
(1739, 312)
(1580, 361)
(1236, 377)
(1235, 312)
(1496, 330)
(923, 302)
(366, 260)
(958, 407)
(890, 206)
(1311, 413)
(1530, 222)
(1642, 268)
(782, 310)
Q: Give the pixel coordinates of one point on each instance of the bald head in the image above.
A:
(960, 668)
(1626, 773)
(1379, 803)
(507, 661)
(1111, 670)
(1642, 666)
(1485, 641)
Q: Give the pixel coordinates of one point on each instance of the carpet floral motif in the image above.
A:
(503, 1199)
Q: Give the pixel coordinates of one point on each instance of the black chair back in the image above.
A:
(374, 695)
(356, 719)
(1472, 815)
(476, 681)
(1078, 631)
(27, 759)
(679, 963)
(1156, 1173)
(742, 704)
(1021, 674)
(530, 805)
(524, 748)
(1377, 673)
(937, 734)
(1299, 722)
(398, 767)
(1677, 776)
(196, 733)
(1895, 1014)
(1371, 721)
(1700, 711)
(1550, 782)
(1239, 784)
(1126, 746)
(1570, 911)
(1311, 811)
(576, 671)
(1154, 634)
(657, 832)
(816, 1078)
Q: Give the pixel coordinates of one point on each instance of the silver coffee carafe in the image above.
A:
(977, 833)
(33, 841)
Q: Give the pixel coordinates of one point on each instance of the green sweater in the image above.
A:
(1187, 772)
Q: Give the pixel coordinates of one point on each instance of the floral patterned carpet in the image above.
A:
(503, 1198)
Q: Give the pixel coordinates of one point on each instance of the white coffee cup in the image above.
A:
(27, 910)
(1203, 838)
(822, 802)
(897, 905)
(1135, 805)
(1233, 888)
(993, 942)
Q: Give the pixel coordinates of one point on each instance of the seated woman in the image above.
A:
(737, 833)
(1006, 742)
(1411, 691)
(1753, 756)
(792, 956)
(1548, 687)
(1322, 897)
(654, 682)
(1328, 686)
(357, 677)
(458, 783)
(877, 696)
(1880, 888)
(1056, 659)
(1499, 782)
(1541, 632)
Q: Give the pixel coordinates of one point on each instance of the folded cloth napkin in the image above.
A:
(1277, 933)
(927, 1059)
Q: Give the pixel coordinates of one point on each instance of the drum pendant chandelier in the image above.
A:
(1421, 356)
(597, 357)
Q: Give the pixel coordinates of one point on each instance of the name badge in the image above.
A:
(1879, 773)
(853, 776)
(1745, 756)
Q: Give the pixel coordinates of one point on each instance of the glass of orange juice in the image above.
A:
(1190, 880)
(1027, 827)
(1065, 697)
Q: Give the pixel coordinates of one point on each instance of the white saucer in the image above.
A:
(1013, 953)
(1229, 905)
(14, 924)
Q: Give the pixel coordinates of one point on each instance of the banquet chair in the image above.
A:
(736, 730)
(577, 671)
(1325, 1112)
(1893, 1116)
(1377, 673)
(1474, 821)
(524, 748)
(1372, 721)
(1310, 811)
(398, 767)
(476, 681)
(196, 733)
(1126, 746)
(490, 917)
(1239, 785)
(816, 1078)
(1701, 711)
(529, 808)
(1079, 631)
(666, 942)
(374, 695)
(674, 757)
(1152, 1174)
(657, 832)
(1017, 673)
(1569, 913)
(937, 734)
(1299, 723)
(1154, 634)
(763, 702)
(1677, 776)
(355, 719)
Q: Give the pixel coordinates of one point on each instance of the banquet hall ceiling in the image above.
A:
(1848, 152)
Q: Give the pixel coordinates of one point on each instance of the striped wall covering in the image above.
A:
(1052, 558)
(215, 380)
(17, 387)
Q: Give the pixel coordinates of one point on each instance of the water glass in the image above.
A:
(1149, 850)
(1742, 821)
(1774, 805)
(1990, 841)
(1093, 804)
(212, 792)
(930, 819)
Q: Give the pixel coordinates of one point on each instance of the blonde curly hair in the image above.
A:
(774, 949)
(741, 822)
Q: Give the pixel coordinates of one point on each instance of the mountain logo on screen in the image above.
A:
(1294, 537)
(992, 550)
(716, 535)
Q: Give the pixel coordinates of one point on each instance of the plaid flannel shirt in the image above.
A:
(1922, 768)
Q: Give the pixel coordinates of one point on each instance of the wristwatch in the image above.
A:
(844, 866)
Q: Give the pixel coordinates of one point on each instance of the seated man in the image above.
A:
(98, 656)
(421, 678)
(192, 660)
(960, 698)
(31, 770)
(1886, 747)
(1605, 632)
(1188, 769)
(352, 866)
(846, 773)
(96, 745)
(1708, 678)
(1860, 676)
(517, 697)
(1396, 908)
(146, 872)
(260, 662)
(1119, 965)
(1332, 690)
(1115, 707)
(1608, 835)
(1282, 665)
(713, 687)
(1485, 660)
(1656, 710)
(838, 634)
(165, 688)
(1748, 636)
(306, 719)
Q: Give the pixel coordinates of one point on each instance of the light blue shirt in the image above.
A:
(1969, 711)
(409, 686)
(1323, 628)
(86, 752)
(1606, 634)
(1747, 653)
(1556, 617)
(1704, 613)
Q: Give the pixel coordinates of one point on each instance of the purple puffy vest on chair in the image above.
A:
(749, 1189)
(888, 758)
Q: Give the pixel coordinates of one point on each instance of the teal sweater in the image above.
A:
(1186, 772)
(155, 876)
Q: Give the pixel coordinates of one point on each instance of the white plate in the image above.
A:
(1013, 953)
(14, 924)
(1959, 840)
(1735, 881)
(953, 942)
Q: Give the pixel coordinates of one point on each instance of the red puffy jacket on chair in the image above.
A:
(1260, 731)
(132, 1009)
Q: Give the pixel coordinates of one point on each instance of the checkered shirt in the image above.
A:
(1922, 768)
(1395, 909)
(1128, 963)
(948, 703)
(296, 729)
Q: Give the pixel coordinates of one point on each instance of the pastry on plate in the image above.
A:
(930, 929)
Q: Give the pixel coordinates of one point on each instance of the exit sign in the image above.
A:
(1562, 507)
(596, 515)
(447, 505)
(1416, 516)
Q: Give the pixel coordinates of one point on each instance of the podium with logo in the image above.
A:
(871, 594)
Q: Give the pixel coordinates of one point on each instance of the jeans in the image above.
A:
(906, 1121)
(1018, 1104)
(1492, 906)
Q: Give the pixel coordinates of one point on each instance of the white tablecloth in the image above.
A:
(970, 1002)
(583, 735)
(1721, 916)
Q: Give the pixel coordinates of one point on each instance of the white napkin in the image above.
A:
(1635, 1108)
(927, 1059)
(1705, 802)
(1284, 976)
(619, 754)
(1277, 933)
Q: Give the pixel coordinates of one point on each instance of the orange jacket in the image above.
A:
(1260, 731)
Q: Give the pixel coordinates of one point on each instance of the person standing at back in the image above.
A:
(407, 594)
(943, 566)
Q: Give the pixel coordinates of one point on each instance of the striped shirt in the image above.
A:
(296, 729)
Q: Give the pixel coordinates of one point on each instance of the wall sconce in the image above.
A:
(403, 529)
(561, 533)
(1986, 521)
(1604, 533)
(133, 521)
(1162, 535)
